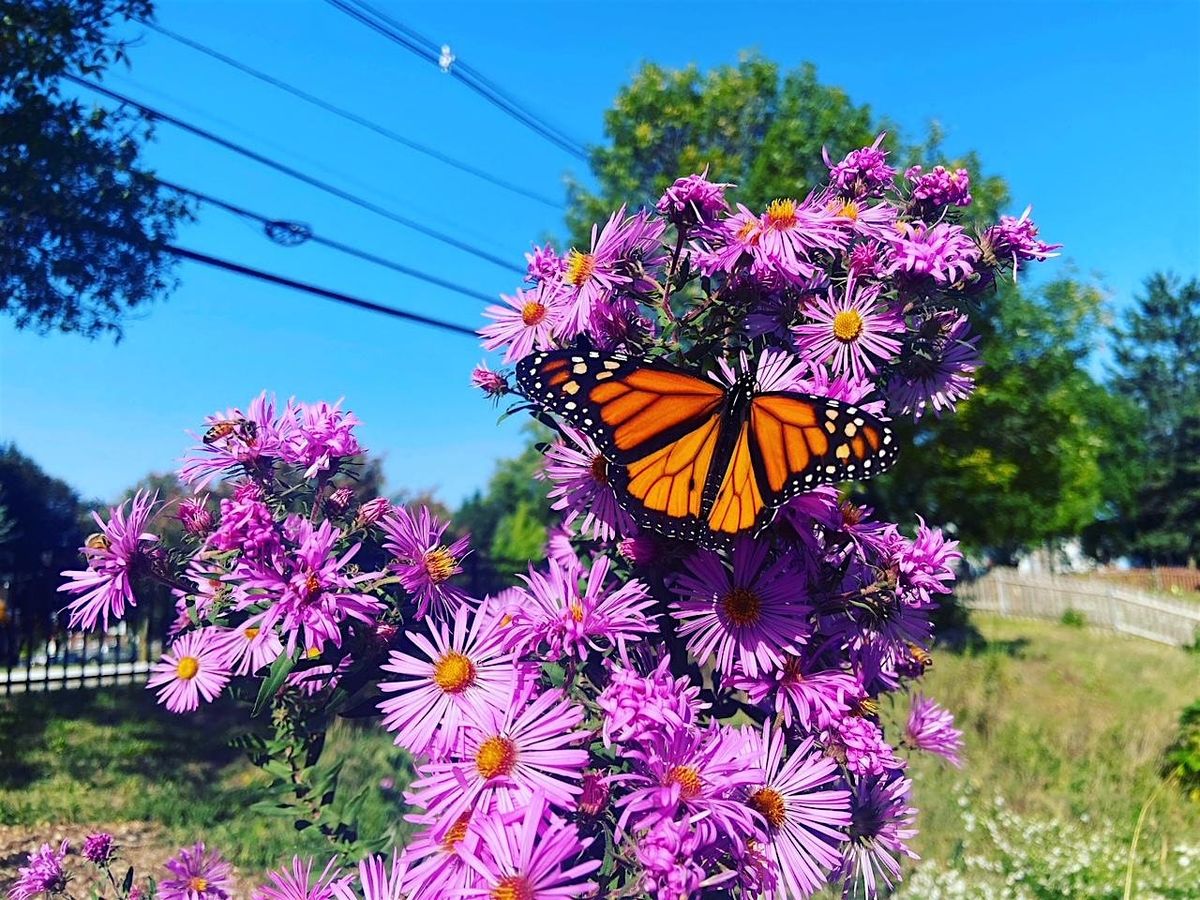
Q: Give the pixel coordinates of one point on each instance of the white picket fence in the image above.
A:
(1102, 604)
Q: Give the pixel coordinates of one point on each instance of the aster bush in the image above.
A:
(638, 716)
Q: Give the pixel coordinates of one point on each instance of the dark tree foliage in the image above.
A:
(82, 223)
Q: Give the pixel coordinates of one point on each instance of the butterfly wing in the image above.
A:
(660, 428)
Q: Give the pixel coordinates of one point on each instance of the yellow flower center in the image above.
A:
(313, 652)
(252, 632)
(847, 325)
(781, 215)
(580, 267)
(513, 887)
(197, 884)
(742, 607)
(600, 470)
(97, 541)
(454, 673)
(312, 587)
(533, 312)
(576, 611)
(440, 564)
(848, 210)
(187, 668)
(457, 831)
(688, 779)
(496, 756)
(747, 231)
(768, 803)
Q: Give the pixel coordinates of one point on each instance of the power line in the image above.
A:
(354, 117)
(423, 47)
(338, 296)
(292, 233)
(295, 173)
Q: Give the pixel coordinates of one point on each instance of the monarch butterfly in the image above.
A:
(693, 459)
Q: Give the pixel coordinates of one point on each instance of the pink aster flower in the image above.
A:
(372, 511)
(735, 236)
(235, 442)
(693, 200)
(43, 875)
(858, 744)
(931, 728)
(790, 232)
(926, 565)
(805, 815)
(249, 648)
(635, 707)
(851, 329)
(99, 848)
(582, 489)
(802, 691)
(298, 882)
(1015, 240)
(461, 669)
(376, 880)
(860, 217)
(940, 187)
(942, 252)
(528, 323)
(554, 612)
(752, 615)
(309, 593)
(543, 264)
(247, 525)
(667, 853)
(493, 384)
(881, 825)
(591, 278)
(939, 369)
(698, 772)
(435, 867)
(318, 436)
(529, 855)
(196, 874)
(864, 172)
(505, 755)
(193, 667)
(194, 516)
(424, 562)
(114, 554)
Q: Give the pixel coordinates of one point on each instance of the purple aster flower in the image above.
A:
(693, 771)
(734, 237)
(1015, 240)
(528, 323)
(926, 565)
(881, 824)
(247, 525)
(376, 880)
(193, 667)
(942, 252)
(560, 549)
(582, 489)
(461, 669)
(529, 855)
(114, 554)
(249, 648)
(866, 259)
(940, 187)
(308, 592)
(195, 516)
(424, 562)
(693, 200)
(802, 691)
(43, 875)
(318, 437)
(864, 172)
(372, 511)
(493, 384)
(931, 728)
(543, 264)
(851, 329)
(298, 882)
(436, 868)
(752, 615)
(791, 231)
(938, 368)
(591, 278)
(858, 743)
(667, 854)
(636, 707)
(235, 442)
(554, 612)
(506, 754)
(805, 815)
(860, 217)
(196, 874)
(99, 848)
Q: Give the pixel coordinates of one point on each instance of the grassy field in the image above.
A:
(1064, 731)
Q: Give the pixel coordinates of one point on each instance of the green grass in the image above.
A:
(1064, 724)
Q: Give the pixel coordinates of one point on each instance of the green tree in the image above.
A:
(83, 224)
(751, 125)
(1157, 360)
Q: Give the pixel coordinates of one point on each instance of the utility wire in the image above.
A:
(337, 296)
(295, 173)
(290, 233)
(426, 49)
(354, 117)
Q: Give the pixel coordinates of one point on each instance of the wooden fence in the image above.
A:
(1101, 604)
(1170, 580)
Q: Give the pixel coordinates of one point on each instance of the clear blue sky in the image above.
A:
(1090, 110)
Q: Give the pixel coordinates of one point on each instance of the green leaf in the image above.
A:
(279, 671)
(127, 881)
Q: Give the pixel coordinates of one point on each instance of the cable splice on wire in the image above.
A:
(338, 296)
(308, 235)
(426, 49)
(355, 117)
(295, 173)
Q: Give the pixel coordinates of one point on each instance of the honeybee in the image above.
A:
(97, 541)
(243, 428)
